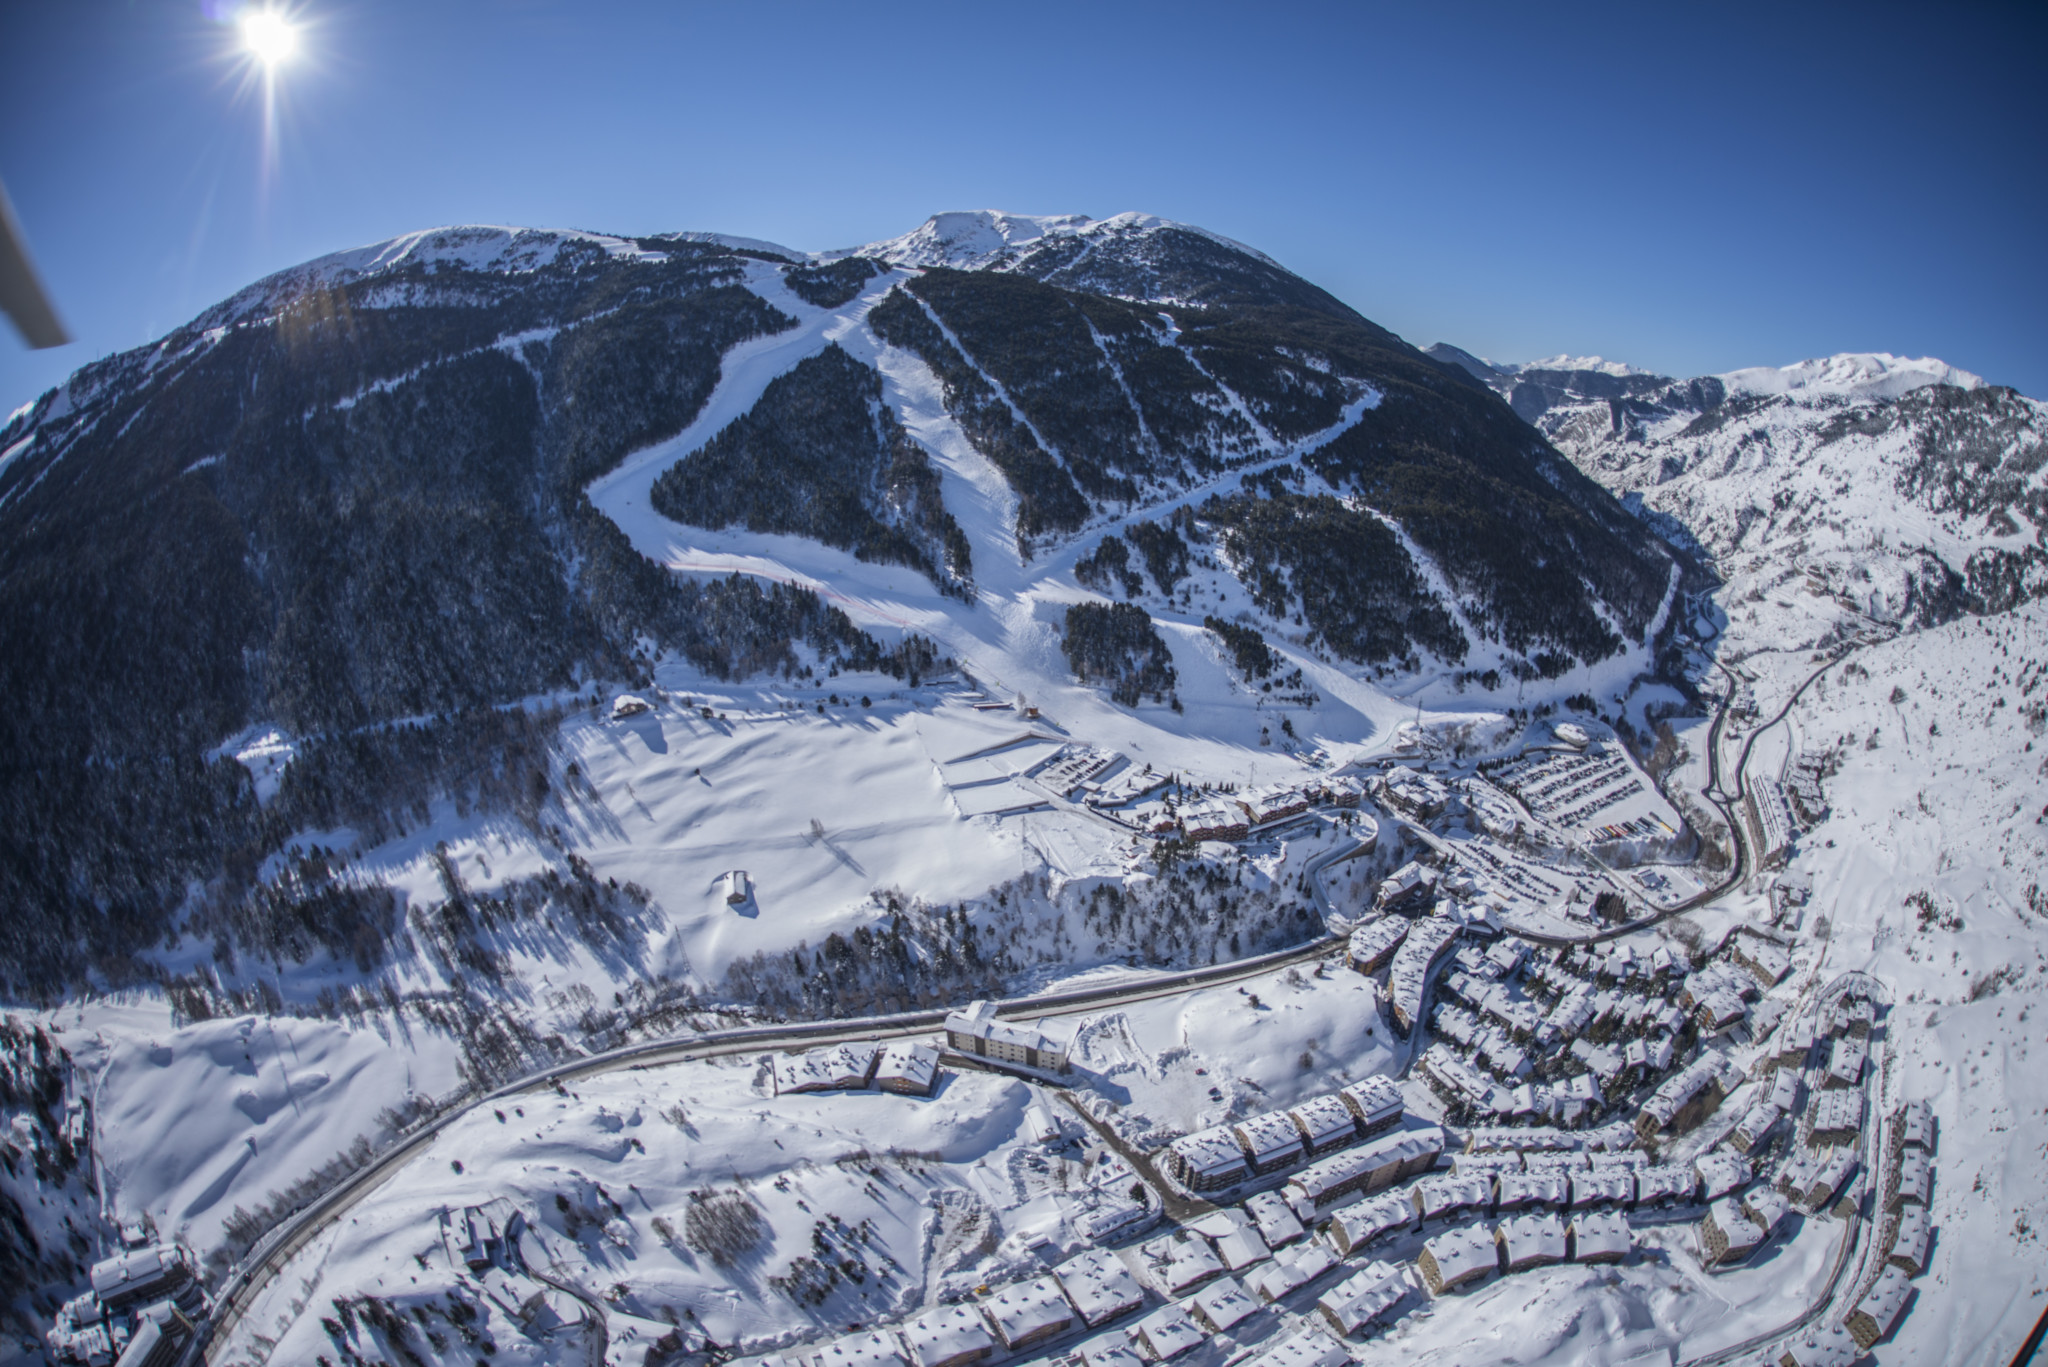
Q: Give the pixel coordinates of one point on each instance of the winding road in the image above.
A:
(268, 1258)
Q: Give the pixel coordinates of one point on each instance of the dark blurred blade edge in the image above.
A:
(21, 293)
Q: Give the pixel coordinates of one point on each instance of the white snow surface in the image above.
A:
(1850, 375)
(1816, 500)
(974, 239)
(1940, 799)
(1598, 364)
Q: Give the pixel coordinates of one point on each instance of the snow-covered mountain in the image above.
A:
(1830, 494)
(466, 654)
(507, 434)
(989, 239)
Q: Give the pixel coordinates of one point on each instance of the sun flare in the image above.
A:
(268, 36)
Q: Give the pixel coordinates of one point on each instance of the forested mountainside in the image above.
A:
(1861, 488)
(350, 495)
(1138, 402)
(350, 503)
(820, 456)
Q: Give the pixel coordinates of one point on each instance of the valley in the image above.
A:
(1396, 954)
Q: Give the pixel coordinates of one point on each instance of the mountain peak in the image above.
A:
(1851, 374)
(1598, 365)
(975, 239)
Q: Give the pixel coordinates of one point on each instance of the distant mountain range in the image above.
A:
(1862, 488)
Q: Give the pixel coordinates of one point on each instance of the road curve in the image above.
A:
(275, 1250)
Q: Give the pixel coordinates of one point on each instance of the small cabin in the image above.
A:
(738, 887)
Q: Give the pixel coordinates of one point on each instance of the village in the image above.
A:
(1579, 1093)
(1304, 1233)
(1549, 1092)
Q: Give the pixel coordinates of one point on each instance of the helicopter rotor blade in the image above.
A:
(21, 294)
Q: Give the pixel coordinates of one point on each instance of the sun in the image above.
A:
(268, 36)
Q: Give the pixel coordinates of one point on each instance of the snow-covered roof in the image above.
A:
(1099, 1285)
(1484, 1138)
(1558, 1161)
(1462, 1253)
(1826, 1345)
(1720, 1173)
(1682, 1086)
(1264, 804)
(1538, 1236)
(1415, 787)
(1838, 1110)
(1770, 962)
(871, 1349)
(1325, 1120)
(1766, 1206)
(1269, 1139)
(1222, 1303)
(1736, 1227)
(1212, 1151)
(1435, 1196)
(1111, 1216)
(835, 1066)
(1913, 1125)
(1363, 1221)
(1241, 1248)
(1665, 1182)
(1374, 1099)
(1168, 1332)
(1846, 1059)
(1023, 1309)
(1600, 1233)
(1363, 1297)
(1533, 1189)
(979, 1021)
(1914, 1179)
(1284, 1276)
(1492, 1163)
(1613, 1185)
(1378, 937)
(124, 1273)
(1276, 1223)
(1910, 1234)
(1309, 1348)
(947, 1333)
(908, 1063)
(1112, 1349)
(1882, 1304)
(1175, 1264)
(1402, 1146)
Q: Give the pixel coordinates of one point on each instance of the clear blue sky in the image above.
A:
(1689, 188)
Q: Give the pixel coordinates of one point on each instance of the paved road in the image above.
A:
(276, 1250)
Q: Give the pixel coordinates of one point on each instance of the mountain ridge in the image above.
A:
(1882, 490)
(366, 487)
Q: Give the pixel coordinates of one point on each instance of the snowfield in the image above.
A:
(840, 846)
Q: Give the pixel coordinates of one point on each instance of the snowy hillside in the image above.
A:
(989, 239)
(1830, 495)
(608, 699)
